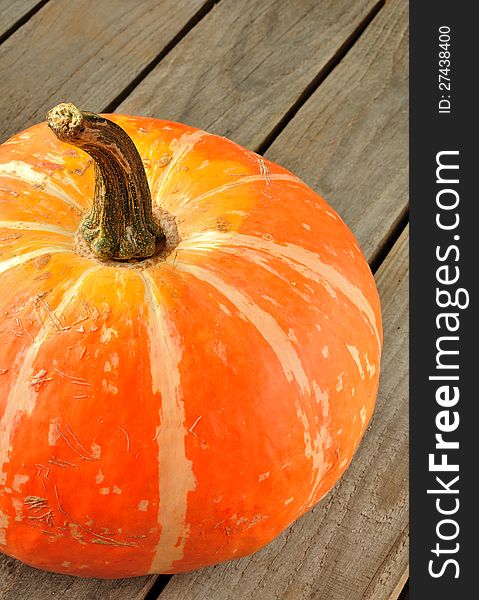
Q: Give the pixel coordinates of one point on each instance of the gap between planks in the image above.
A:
(87, 54)
(320, 77)
(245, 65)
(21, 19)
(196, 18)
(386, 245)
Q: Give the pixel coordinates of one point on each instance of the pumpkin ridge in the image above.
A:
(251, 256)
(268, 328)
(299, 259)
(282, 347)
(15, 261)
(247, 254)
(23, 171)
(235, 183)
(186, 146)
(173, 464)
(34, 226)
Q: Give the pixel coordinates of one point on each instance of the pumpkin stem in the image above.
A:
(120, 225)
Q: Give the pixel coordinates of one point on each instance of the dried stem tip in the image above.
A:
(65, 120)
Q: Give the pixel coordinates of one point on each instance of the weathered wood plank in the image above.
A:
(13, 10)
(84, 51)
(401, 590)
(246, 64)
(350, 140)
(19, 582)
(353, 545)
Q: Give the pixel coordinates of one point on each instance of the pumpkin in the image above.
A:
(190, 346)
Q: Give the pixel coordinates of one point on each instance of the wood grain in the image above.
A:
(13, 10)
(240, 70)
(349, 142)
(84, 51)
(353, 545)
(19, 582)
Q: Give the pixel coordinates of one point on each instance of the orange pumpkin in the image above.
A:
(187, 372)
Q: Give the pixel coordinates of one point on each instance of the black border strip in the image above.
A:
(443, 521)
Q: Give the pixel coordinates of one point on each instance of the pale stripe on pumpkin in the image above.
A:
(318, 443)
(23, 171)
(175, 470)
(180, 147)
(305, 262)
(237, 182)
(15, 261)
(263, 322)
(32, 226)
(355, 355)
(22, 396)
(272, 333)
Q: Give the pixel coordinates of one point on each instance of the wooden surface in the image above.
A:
(349, 141)
(84, 51)
(321, 87)
(222, 67)
(12, 12)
